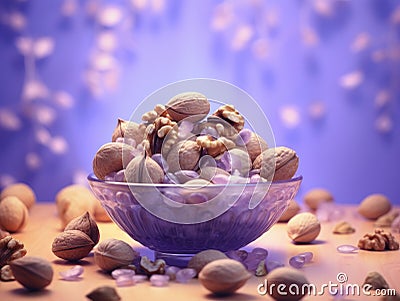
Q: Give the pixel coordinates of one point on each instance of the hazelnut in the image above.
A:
(85, 224)
(13, 214)
(316, 196)
(72, 245)
(374, 206)
(223, 276)
(202, 258)
(33, 273)
(112, 253)
(303, 227)
(21, 191)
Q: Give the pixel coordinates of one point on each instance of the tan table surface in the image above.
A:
(44, 225)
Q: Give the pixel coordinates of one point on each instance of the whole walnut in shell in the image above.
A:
(143, 169)
(374, 206)
(72, 245)
(303, 227)
(87, 225)
(112, 253)
(13, 214)
(184, 156)
(21, 191)
(111, 157)
(188, 104)
(128, 129)
(316, 196)
(202, 258)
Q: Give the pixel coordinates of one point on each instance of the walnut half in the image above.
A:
(10, 249)
(378, 241)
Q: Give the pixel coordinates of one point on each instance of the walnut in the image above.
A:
(231, 115)
(10, 249)
(156, 132)
(213, 146)
(158, 111)
(378, 241)
(3, 233)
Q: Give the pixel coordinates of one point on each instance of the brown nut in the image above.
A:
(13, 214)
(255, 146)
(21, 191)
(378, 241)
(143, 169)
(152, 267)
(317, 196)
(291, 211)
(73, 201)
(387, 219)
(214, 147)
(189, 104)
(202, 258)
(33, 273)
(157, 132)
(303, 227)
(230, 115)
(6, 273)
(223, 276)
(376, 281)
(343, 227)
(286, 278)
(111, 157)
(112, 254)
(278, 163)
(72, 245)
(10, 249)
(104, 293)
(87, 225)
(374, 206)
(184, 156)
(100, 214)
(128, 129)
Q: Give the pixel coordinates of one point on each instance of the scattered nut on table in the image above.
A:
(72, 245)
(87, 225)
(303, 227)
(376, 281)
(152, 267)
(286, 278)
(13, 214)
(22, 191)
(104, 293)
(10, 249)
(374, 206)
(202, 258)
(223, 276)
(387, 219)
(378, 241)
(291, 211)
(6, 273)
(112, 253)
(314, 197)
(343, 227)
(188, 104)
(34, 273)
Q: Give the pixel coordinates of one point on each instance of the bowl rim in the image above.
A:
(92, 178)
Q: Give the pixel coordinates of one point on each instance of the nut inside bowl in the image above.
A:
(234, 226)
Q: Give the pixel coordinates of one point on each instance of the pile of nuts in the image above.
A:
(179, 142)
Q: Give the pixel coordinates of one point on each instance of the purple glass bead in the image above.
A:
(120, 176)
(125, 280)
(173, 196)
(254, 258)
(110, 176)
(220, 179)
(272, 265)
(170, 178)
(238, 255)
(184, 275)
(261, 253)
(171, 272)
(297, 261)
(255, 178)
(196, 198)
(254, 172)
(73, 274)
(122, 272)
(139, 278)
(160, 161)
(186, 175)
(159, 280)
(328, 212)
(347, 249)
(244, 137)
(185, 128)
(308, 256)
(209, 131)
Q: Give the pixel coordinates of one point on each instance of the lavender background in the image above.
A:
(326, 73)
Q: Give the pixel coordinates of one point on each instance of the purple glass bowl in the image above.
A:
(233, 229)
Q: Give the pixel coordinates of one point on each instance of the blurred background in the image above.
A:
(326, 73)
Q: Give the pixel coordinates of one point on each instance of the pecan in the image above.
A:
(10, 249)
(378, 241)
(230, 115)
(156, 132)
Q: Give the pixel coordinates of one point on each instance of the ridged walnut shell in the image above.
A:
(21, 191)
(111, 157)
(374, 206)
(33, 273)
(112, 253)
(189, 104)
(13, 214)
(223, 276)
(279, 163)
(143, 169)
(184, 156)
(317, 196)
(128, 129)
(87, 225)
(72, 245)
(303, 227)
(291, 211)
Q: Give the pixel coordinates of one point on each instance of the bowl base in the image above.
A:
(171, 259)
